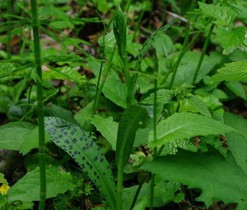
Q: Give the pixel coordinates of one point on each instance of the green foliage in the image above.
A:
(2, 179)
(164, 96)
(186, 125)
(237, 88)
(237, 142)
(144, 86)
(132, 118)
(235, 71)
(230, 40)
(24, 139)
(27, 188)
(64, 73)
(14, 140)
(120, 32)
(115, 90)
(200, 106)
(223, 15)
(218, 178)
(108, 129)
(188, 64)
(82, 148)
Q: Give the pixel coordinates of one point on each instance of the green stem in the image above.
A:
(127, 6)
(119, 187)
(138, 191)
(152, 182)
(40, 105)
(9, 28)
(128, 83)
(175, 68)
(204, 48)
(101, 85)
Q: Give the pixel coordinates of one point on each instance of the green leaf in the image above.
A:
(120, 32)
(107, 127)
(224, 15)
(200, 106)
(64, 73)
(164, 192)
(58, 111)
(31, 141)
(188, 65)
(235, 71)
(4, 103)
(141, 205)
(237, 143)
(186, 125)
(151, 40)
(84, 115)
(164, 96)
(219, 179)
(27, 188)
(163, 45)
(230, 39)
(102, 5)
(237, 88)
(61, 24)
(19, 87)
(2, 179)
(129, 193)
(82, 148)
(132, 118)
(115, 90)
(13, 134)
(6, 68)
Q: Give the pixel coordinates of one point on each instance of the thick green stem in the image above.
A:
(205, 46)
(40, 108)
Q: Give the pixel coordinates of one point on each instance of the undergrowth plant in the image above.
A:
(148, 127)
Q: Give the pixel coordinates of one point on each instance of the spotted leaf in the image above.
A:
(82, 148)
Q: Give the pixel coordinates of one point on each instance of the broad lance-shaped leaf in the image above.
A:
(220, 179)
(132, 118)
(120, 32)
(27, 188)
(235, 71)
(185, 125)
(82, 148)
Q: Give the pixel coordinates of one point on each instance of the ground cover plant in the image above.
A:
(123, 104)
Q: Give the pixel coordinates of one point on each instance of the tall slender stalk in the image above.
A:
(152, 182)
(204, 48)
(9, 28)
(100, 84)
(175, 68)
(40, 108)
